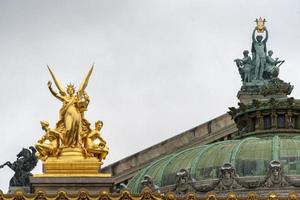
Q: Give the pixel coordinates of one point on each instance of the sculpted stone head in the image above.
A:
(259, 38)
(245, 53)
(275, 168)
(270, 52)
(227, 171)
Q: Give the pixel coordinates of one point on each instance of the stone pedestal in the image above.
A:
(66, 167)
(247, 98)
(71, 185)
(72, 162)
(250, 91)
(264, 89)
(71, 171)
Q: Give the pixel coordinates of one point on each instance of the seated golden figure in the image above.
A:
(99, 150)
(48, 145)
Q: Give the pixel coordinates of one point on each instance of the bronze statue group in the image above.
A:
(261, 66)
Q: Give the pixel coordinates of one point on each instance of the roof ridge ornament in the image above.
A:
(259, 72)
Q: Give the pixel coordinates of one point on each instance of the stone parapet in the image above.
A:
(220, 128)
(71, 185)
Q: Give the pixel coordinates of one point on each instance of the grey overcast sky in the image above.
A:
(161, 66)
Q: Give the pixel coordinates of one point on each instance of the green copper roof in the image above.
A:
(249, 156)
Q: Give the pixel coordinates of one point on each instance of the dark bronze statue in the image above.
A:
(260, 73)
(245, 67)
(26, 161)
(272, 66)
(259, 49)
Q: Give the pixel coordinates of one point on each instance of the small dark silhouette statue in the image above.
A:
(26, 161)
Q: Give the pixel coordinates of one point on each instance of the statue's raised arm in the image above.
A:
(267, 36)
(53, 92)
(253, 35)
(57, 83)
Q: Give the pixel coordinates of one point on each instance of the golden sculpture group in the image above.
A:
(72, 147)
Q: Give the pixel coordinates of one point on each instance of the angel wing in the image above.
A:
(85, 81)
(57, 83)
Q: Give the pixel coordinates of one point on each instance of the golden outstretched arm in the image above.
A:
(57, 83)
(54, 93)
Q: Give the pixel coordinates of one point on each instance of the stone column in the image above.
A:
(259, 121)
(274, 119)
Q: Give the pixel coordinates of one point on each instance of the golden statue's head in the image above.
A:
(44, 125)
(70, 89)
(98, 125)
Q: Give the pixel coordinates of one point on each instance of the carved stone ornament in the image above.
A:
(228, 179)
(184, 182)
(276, 86)
(275, 176)
(148, 182)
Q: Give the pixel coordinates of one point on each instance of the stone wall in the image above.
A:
(218, 129)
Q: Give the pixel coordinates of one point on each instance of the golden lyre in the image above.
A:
(260, 25)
